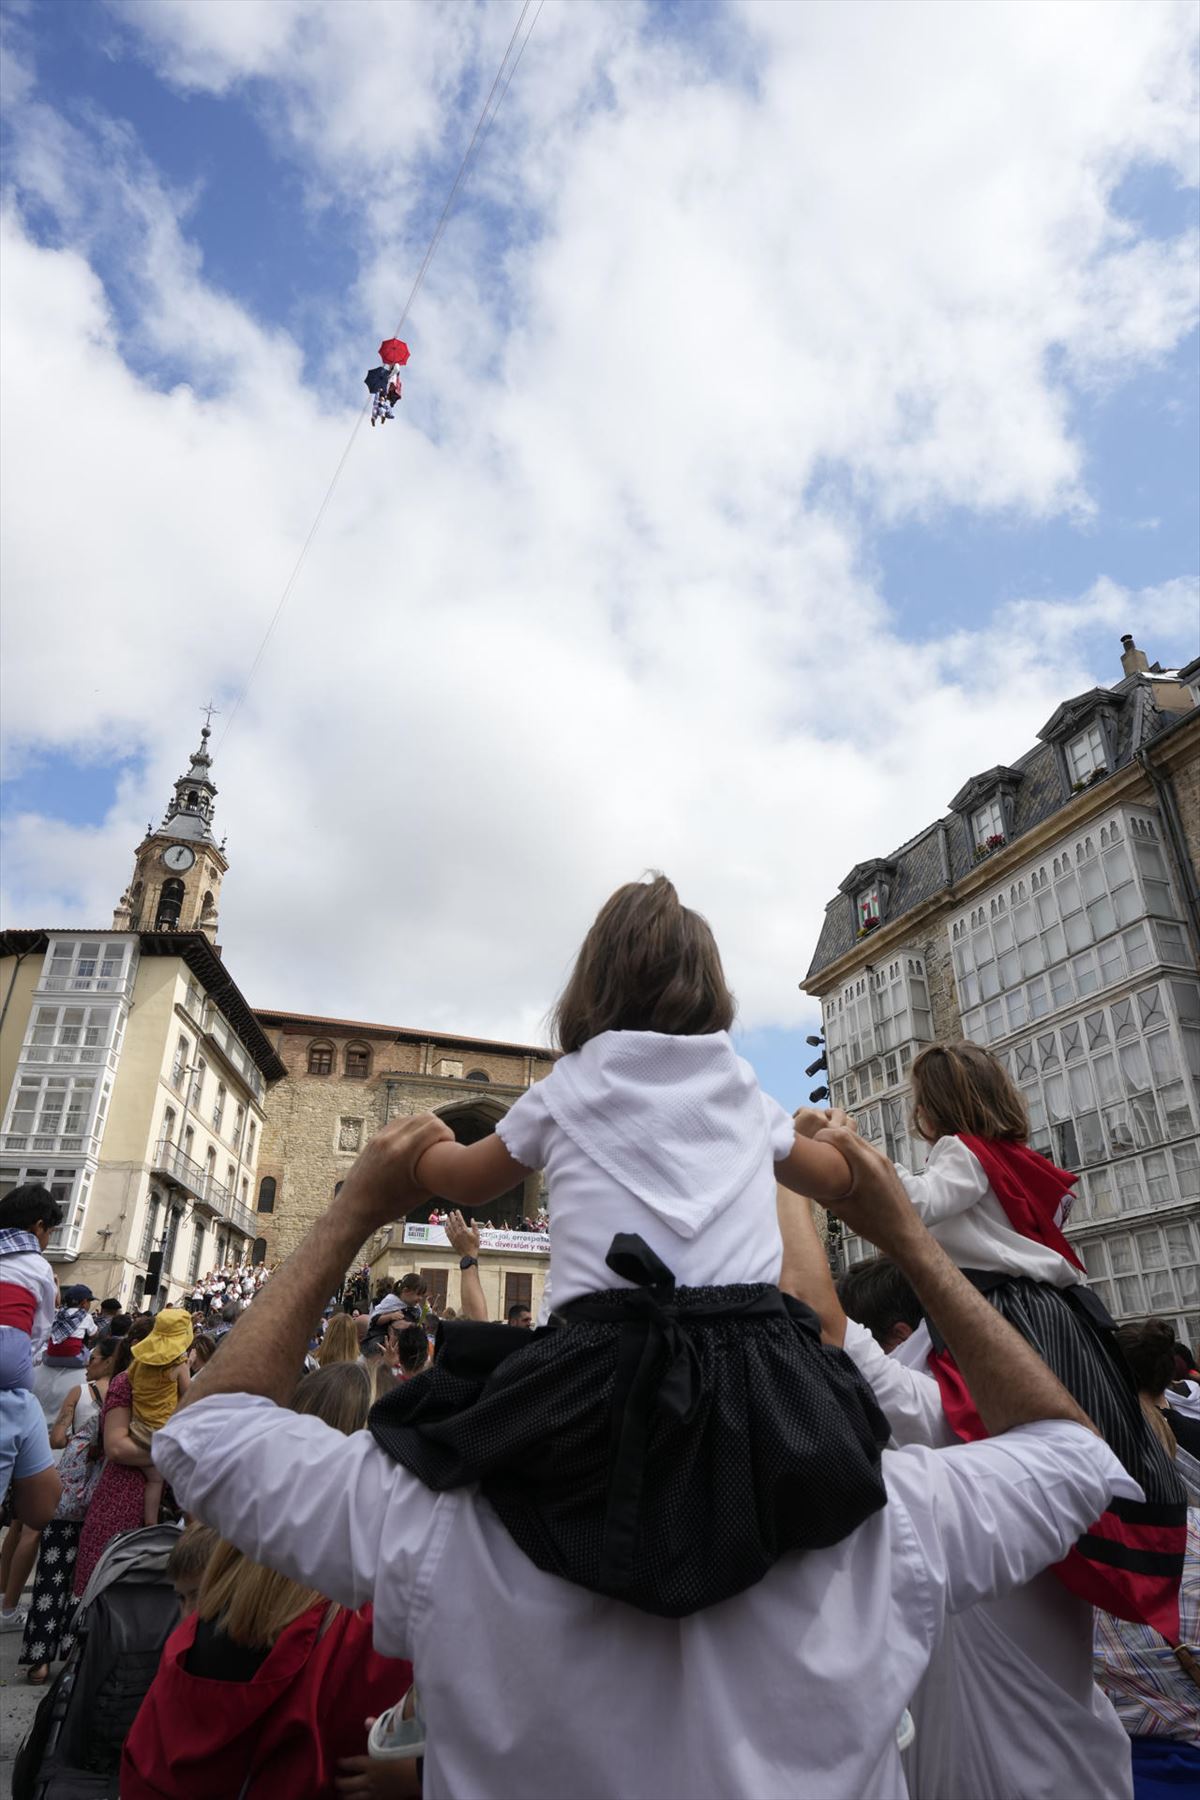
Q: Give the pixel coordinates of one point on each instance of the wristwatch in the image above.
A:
(468, 1262)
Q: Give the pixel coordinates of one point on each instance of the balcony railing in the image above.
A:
(70, 1055)
(184, 1172)
(88, 984)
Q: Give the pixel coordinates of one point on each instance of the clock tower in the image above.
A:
(178, 869)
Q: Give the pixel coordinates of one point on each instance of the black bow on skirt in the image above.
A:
(665, 1446)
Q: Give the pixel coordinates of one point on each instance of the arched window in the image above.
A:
(259, 1253)
(170, 905)
(266, 1194)
(320, 1059)
(358, 1062)
(478, 1075)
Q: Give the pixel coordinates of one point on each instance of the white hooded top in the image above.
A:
(669, 1137)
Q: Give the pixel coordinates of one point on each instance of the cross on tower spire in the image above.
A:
(210, 711)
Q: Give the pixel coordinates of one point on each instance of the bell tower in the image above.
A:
(178, 869)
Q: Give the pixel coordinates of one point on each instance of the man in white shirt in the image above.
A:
(794, 1687)
(1009, 1708)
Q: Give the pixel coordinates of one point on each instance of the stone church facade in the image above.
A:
(344, 1081)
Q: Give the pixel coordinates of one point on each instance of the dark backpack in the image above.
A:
(73, 1748)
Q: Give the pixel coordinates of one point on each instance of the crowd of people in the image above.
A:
(932, 1531)
(537, 1226)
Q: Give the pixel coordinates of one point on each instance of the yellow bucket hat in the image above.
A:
(170, 1339)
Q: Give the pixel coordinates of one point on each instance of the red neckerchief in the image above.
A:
(1029, 1187)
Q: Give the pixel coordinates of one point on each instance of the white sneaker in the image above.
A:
(14, 1620)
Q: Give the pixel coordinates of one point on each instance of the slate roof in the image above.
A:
(946, 847)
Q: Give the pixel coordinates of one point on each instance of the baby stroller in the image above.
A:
(128, 1610)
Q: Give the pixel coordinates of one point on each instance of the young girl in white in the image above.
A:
(997, 1209)
(682, 1369)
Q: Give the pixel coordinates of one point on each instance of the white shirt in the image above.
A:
(955, 1199)
(1009, 1708)
(669, 1137)
(30, 1270)
(533, 1687)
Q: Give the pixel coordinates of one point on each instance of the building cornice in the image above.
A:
(892, 935)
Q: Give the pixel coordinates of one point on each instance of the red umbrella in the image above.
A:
(393, 350)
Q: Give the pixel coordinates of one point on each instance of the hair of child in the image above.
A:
(649, 963)
(190, 1556)
(962, 1087)
(30, 1205)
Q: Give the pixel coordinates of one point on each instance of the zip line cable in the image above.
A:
(483, 125)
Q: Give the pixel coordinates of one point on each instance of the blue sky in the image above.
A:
(642, 383)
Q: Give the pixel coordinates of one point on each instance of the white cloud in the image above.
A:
(588, 607)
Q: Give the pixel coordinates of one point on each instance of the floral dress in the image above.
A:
(119, 1502)
(47, 1635)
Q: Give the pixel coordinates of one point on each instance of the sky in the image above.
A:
(803, 401)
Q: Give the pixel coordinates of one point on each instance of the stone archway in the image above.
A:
(471, 1120)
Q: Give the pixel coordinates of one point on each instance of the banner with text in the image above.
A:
(535, 1243)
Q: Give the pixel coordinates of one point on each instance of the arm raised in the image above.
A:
(815, 1168)
(469, 1174)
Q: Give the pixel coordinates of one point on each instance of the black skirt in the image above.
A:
(661, 1446)
(1130, 1562)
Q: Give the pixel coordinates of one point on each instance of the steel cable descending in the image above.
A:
(509, 64)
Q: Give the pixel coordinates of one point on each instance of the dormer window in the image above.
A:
(1086, 756)
(868, 909)
(987, 823)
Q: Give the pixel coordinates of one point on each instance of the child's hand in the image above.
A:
(808, 1120)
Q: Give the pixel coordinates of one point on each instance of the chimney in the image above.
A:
(1133, 660)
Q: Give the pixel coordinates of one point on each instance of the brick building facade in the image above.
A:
(1052, 914)
(344, 1081)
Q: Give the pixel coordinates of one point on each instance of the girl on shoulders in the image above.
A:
(997, 1208)
(670, 1443)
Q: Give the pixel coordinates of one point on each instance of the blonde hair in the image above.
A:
(962, 1087)
(1156, 1418)
(340, 1343)
(254, 1605)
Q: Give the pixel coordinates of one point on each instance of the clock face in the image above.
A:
(179, 858)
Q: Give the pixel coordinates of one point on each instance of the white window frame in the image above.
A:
(38, 1139)
(96, 965)
(867, 908)
(1086, 753)
(71, 1187)
(988, 821)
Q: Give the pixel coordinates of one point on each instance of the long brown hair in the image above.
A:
(253, 1605)
(962, 1087)
(647, 964)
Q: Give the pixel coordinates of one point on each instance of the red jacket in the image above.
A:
(307, 1706)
